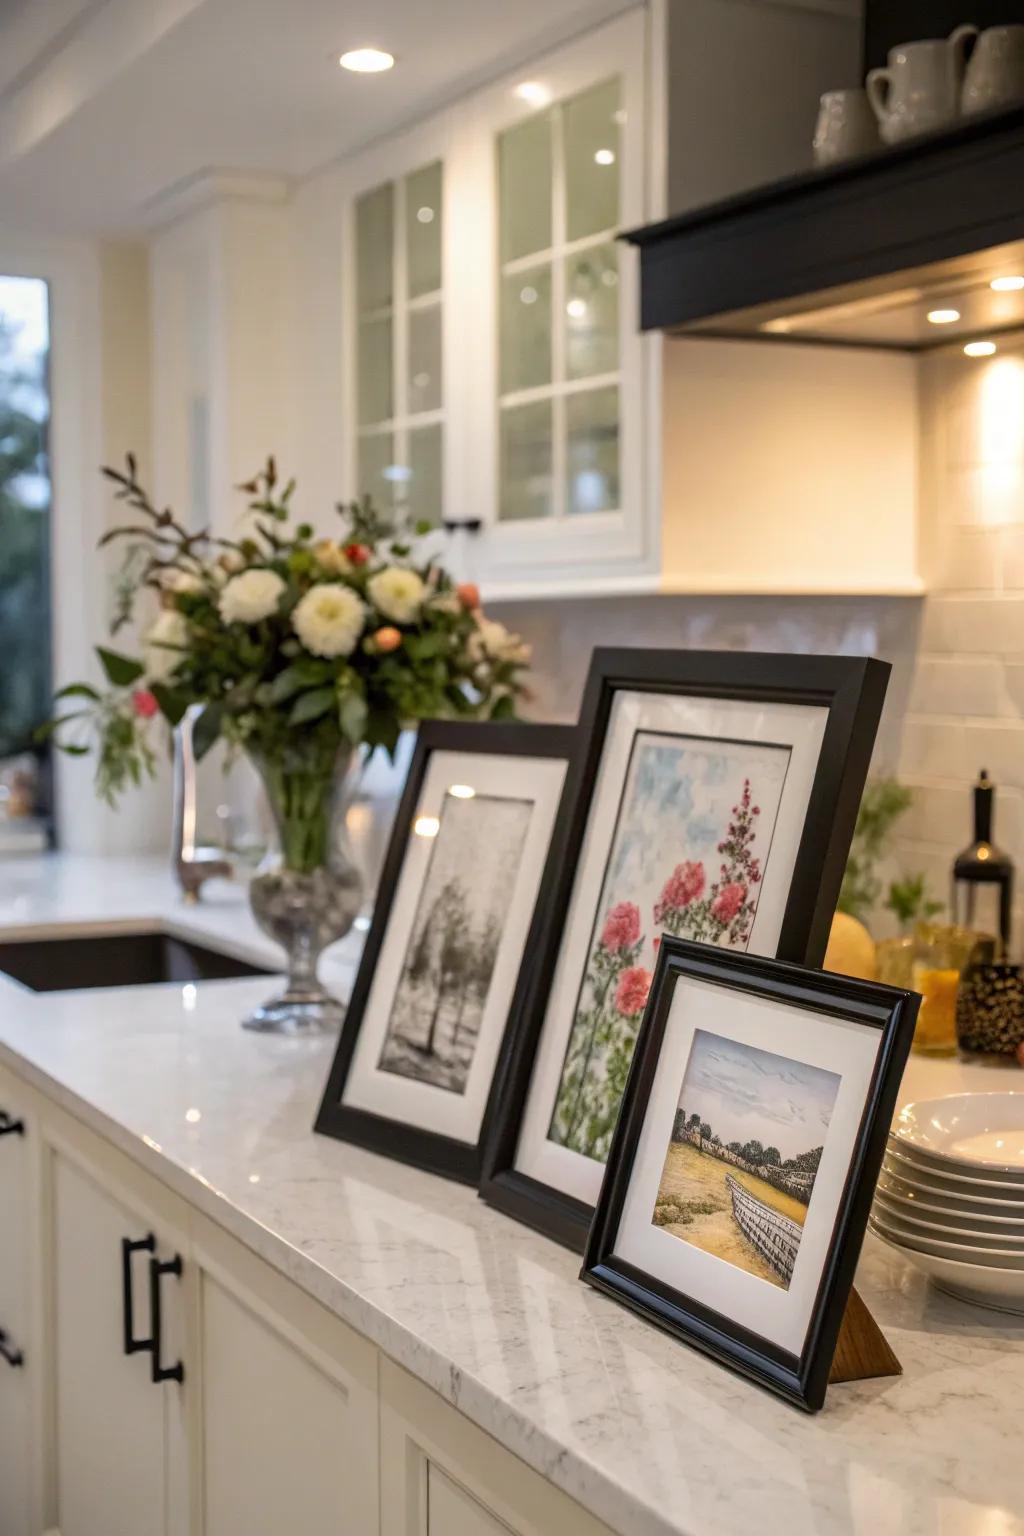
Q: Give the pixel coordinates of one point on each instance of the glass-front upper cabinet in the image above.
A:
(399, 396)
(499, 380)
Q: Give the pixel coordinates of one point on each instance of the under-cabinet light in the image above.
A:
(426, 826)
(604, 157)
(533, 92)
(1006, 284)
(979, 349)
(943, 316)
(462, 791)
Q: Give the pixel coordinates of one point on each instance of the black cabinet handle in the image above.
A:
(10, 1127)
(147, 1244)
(11, 1355)
(157, 1270)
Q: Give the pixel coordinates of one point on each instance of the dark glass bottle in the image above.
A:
(983, 874)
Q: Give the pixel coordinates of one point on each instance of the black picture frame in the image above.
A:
(799, 1379)
(852, 689)
(437, 1153)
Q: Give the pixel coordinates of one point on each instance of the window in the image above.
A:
(399, 298)
(558, 385)
(24, 540)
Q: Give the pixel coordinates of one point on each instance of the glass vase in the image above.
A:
(308, 891)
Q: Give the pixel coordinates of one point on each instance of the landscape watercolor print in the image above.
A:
(438, 1007)
(688, 855)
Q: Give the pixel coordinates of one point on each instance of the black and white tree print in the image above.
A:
(442, 992)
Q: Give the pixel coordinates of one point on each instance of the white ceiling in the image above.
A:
(106, 104)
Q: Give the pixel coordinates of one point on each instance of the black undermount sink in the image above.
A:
(115, 960)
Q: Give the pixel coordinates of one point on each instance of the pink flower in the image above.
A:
(631, 993)
(144, 703)
(728, 901)
(621, 927)
(684, 885)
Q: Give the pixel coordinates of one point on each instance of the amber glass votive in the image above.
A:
(942, 952)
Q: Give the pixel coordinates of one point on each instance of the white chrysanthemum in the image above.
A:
(175, 580)
(329, 619)
(163, 643)
(250, 597)
(491, 642)
(397, 593)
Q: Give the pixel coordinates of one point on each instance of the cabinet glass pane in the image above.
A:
(374, 248)
(590, 128)
(526, 329)
(376, 468)
(424, 382)
(526, 474)
(423, 489)
(374, 382)
(524, 188)
(592, 312)
(592, 450)
(423, 230)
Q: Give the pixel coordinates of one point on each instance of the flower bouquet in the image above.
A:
(300, 651)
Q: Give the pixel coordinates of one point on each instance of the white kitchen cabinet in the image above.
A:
(445, 1477)
(114, 1467)
(288, 1432)
(16, 1360)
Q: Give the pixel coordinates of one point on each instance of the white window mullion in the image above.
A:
(558, 329)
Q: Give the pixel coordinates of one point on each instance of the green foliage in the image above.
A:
(24, 550)
(909, 900)
(885, 801)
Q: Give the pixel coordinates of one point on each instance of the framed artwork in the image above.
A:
(714, 800)
(743, 1165)
(458, 902)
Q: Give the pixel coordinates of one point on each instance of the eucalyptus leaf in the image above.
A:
(122, 671)
(310, 706)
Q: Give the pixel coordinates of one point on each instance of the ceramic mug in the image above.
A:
(846, 127)
(920, 88)
(995, 74)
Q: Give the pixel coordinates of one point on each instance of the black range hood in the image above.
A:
(859, 253)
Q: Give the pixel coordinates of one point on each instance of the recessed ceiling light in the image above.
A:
(943, 316)
(366, 61)
(1006, 284)
(604, 157)
(462, 791)
(576, 308)
(426, 826)
(532, 91)
(979, 349)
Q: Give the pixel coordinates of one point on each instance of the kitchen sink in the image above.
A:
(115, 960)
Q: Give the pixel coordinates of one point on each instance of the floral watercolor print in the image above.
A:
(747, 1139)
(688, 855)
(442, 990)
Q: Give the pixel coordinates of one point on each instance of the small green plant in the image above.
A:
(885, 801)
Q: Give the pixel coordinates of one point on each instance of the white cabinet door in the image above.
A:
(289, 1406)
(109, 1416)
(15, 1353)
(442, 1476)
(451, 1511)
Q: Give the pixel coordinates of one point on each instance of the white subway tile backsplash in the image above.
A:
(934, 749)
(974, 625)
(959, 685)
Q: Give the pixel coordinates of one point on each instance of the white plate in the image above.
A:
(964, 1253)
(957, 1196)
(932, 1226)
(981, 1216)
(1002, 1289)
(943, 1171)
(984, 1131)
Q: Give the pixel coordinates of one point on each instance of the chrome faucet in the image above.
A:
(192, 865)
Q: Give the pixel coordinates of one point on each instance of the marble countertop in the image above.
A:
(647, 1434)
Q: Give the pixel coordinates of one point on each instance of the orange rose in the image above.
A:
(387, 639)
(468, 594)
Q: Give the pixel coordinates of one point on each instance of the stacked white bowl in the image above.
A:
(951, 1194)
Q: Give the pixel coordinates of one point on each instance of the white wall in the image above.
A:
(788, 468)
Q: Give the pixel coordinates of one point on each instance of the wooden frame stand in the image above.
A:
(862, 1350)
